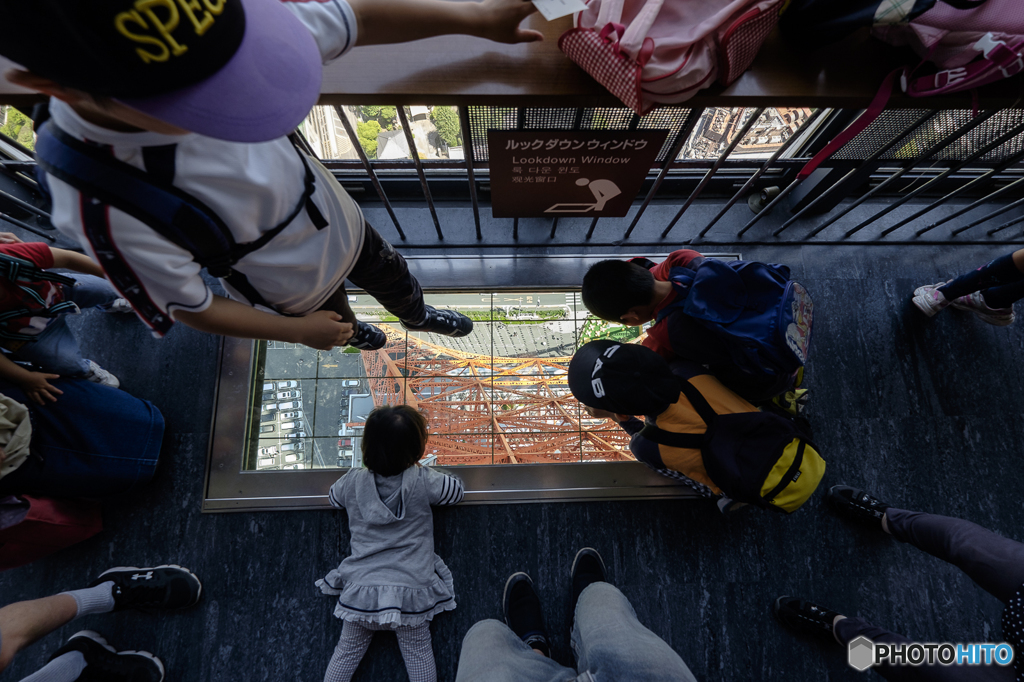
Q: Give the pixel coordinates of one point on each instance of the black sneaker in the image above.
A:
(446, 322)
(161, 587)
(803, 616)
(368, 337)
(523, 615)
(104, 663)
(588, 567)
(857, 505)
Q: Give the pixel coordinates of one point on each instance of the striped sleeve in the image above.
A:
(337, 494)
(443, 490)
(332, 23)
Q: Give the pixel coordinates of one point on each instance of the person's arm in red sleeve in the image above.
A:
(37, 253)
(657, 340)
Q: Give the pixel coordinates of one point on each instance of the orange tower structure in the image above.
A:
(485, 410)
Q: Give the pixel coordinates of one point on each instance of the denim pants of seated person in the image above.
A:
(56, 351)
(609, 642)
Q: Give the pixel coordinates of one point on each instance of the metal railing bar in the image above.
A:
(467, 150)
(544, 247)
(990, 216)
(26, 226)
(24, 205)
(554, 226)
(946, 141)
(577, 120)
(515, 229)
(737, 138)
(767, 209)
(979, 202)
(593, 224)
(763, 169)
(871, 159)
(350, 131)
(976, 182)
(634, 121)
(1009, 223)
(998, 142)
(677, 146)
(419, 169)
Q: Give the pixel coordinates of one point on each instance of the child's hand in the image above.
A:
(323, 330)
(38, 388)
(9, 238)
(500, 19)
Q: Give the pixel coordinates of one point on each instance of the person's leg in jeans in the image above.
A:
(56, 351)
(91, 292)
(995, 563)
(492, 652)
(611, 643)
(382, 273)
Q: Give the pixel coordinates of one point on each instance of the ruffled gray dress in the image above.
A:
(392, 576)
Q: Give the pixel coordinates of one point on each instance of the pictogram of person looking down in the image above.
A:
(603, 191)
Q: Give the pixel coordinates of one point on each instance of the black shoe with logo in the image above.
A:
(157, 588)
(587, 568)
(804, 616)
(368, 337)
(446, 322)
(104, 663)
(523, 615)
(857, 505)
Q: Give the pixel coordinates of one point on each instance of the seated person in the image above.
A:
(616, 381)
(41, 336)
(608, 642)
(95, 441)
(635, 292)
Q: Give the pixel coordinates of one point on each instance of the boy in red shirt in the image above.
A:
(55, 350)
(633, 292)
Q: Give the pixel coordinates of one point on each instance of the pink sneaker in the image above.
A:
(975, 303)
(929, 300)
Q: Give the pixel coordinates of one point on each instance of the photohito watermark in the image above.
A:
(862, 653)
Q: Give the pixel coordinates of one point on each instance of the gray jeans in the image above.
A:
(995, 563)
(609, 642)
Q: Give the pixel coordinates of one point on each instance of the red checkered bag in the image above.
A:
(649, 52)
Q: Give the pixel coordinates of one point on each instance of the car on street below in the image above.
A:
(296, 434)
(284, 395)
(294, 466)
(292, 458)
(350, 382)
(291, 425)
(289, 447)
(281, 385)
(269, 386)
(267, 428)
(268, 417)
(297, 414)
(267, 452)
(287, 406)
(268, 396)
(270, 461)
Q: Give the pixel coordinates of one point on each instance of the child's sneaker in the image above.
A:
(445, 322)
(975, 303)
(160, 587)
(104, 663)
(803, 616)
(368, 337)
(857, 505)
(98, 375)
(929, 300)
(119, 305)
(523, 615)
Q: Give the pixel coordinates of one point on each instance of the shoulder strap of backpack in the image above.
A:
(700, 404)
(682, 288)
(659, 435)
(18, 270)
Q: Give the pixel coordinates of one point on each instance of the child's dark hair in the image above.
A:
(394, 439)
(612, 287)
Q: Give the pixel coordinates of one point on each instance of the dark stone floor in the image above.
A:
(928, 414)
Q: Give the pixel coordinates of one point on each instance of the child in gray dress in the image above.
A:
(392, 580)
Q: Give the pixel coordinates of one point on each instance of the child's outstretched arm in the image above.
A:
(322, 330)
(400, 21)
(79, 262)
(442, 489)
(35, 384)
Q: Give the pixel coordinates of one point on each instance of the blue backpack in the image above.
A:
(762, 317)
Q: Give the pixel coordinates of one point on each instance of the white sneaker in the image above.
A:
(975, 303)
(98, 375)
(929, 300)
(120, 305)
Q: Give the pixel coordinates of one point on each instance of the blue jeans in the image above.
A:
(94, 441)
(56, 350)
(609, 642)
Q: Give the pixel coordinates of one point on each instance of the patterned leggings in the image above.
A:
(413, 641)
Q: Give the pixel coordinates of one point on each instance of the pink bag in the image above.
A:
(972, 47)
(648, 52)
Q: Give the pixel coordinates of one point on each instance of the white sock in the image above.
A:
(91, 600)
(66, 668)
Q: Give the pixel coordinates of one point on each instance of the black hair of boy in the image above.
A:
(612, 288)
(394, 439)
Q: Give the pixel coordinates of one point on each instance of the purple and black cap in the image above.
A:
(239, 70)
(624, 378)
